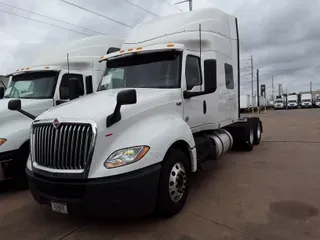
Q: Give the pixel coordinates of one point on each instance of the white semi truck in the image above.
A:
(306, 100)
(169, 100)
(317, 100)
(279, 103)
(245, 102)
(42, 85)
(292, 101)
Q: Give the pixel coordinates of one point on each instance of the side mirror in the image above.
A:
(187, 94)
(89, 85)
(127, 97)
(73, 85)
(1, 92)
(15, 105)
(112, 50)
(124, 97)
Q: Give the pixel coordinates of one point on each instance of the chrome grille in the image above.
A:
(68, 147)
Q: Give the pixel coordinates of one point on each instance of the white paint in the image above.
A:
(83, 59)
(158, 118)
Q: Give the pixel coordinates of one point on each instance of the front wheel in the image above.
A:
(173, 183)
(19, 165)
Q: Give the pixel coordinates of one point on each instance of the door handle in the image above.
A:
(204, 107)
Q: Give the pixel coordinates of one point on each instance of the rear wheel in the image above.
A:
(249, 140)
(257, 129)
(173, 183)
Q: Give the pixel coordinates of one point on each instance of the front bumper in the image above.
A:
(130, 194)
(6, 164)
(306, 105)
(292, 106)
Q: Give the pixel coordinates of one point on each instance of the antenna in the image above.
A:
(68, 61)
(200, 41)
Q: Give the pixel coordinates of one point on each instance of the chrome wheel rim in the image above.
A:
(177, 182)
(258, 131)
(251, 137)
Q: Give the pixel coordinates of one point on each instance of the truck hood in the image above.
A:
(34, 106)
(99, 105)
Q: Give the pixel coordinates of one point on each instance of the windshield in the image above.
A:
(151, 70)
(306, 100)
(34, 85)
(292, 101)
(279, 101)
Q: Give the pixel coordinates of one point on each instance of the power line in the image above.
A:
(95, 13)
(45, 23)
(50, 18)
(141, 8)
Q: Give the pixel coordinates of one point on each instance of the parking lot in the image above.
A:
(269, 193)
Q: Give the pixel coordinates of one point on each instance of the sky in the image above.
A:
(282, 36)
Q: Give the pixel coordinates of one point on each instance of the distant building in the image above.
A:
(3, 81)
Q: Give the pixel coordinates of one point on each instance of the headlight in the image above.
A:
(2, 141)
(126, 156)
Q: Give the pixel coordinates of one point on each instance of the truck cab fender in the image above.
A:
(158, 132)
(16, 132)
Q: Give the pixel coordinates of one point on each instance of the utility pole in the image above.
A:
(190, 3)
(311, 87)
(279, 89)
(258, 95)
(272, 89)
(251, 59)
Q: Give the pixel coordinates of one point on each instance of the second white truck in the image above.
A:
(169, 100)
(279, 103)
(306, 100)
(50, 80)
(292, 101)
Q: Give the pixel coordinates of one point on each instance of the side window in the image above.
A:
(228, 70)
(64, 85)
(193, 73)
(210, 75)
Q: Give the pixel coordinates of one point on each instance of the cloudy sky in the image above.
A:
(281, 35)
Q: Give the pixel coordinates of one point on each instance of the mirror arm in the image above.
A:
(29, 115)
(115, 116)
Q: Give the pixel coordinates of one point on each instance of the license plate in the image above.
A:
(59, 207)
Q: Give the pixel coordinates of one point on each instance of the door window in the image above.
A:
(64, 85)
(193, 73)
(229, 76)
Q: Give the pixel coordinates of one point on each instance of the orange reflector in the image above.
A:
(121, 51)
(46, 67)
(27, 68)
(142, 153)
(139, 48)
(170, 45)
(130, 49)
(2, 141)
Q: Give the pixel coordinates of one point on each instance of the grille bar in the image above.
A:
(65, 148)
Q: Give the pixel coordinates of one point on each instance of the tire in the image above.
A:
(249, 142)
(175, 172)
(19, 177)
(257, 128)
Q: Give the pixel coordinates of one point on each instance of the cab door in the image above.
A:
(193, 108)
